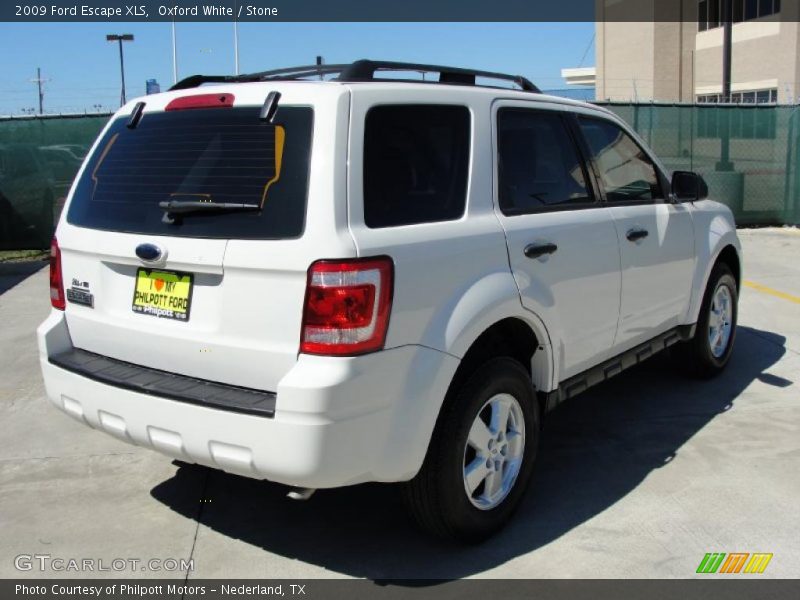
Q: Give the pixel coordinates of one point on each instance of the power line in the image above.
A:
(585, 52)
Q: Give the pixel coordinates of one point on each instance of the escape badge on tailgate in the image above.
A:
(79, 293)
(165, 294)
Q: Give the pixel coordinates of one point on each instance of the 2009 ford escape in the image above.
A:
(323, 283)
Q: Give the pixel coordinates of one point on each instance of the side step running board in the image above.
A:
(582, 381)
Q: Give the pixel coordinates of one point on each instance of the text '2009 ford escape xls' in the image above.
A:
(324, 283)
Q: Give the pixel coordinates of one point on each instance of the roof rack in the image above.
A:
(360, 71)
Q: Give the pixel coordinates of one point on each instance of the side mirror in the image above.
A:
(688, 186)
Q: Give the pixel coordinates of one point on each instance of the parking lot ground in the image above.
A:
(637, 478)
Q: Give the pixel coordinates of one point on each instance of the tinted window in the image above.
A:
(210, 155)
(625, 170)
(416, 159)
(538, 163)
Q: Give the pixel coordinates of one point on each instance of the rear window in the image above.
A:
(416, 159)
(218, 155)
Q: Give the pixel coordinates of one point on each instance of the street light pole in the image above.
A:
(236, 47)
(174, 55)
(125, 37)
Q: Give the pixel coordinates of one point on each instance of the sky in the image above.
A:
(83, 68)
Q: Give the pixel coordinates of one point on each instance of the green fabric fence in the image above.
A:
(760, 180)
(39, 158)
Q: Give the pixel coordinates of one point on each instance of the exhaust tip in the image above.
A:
(301, 493)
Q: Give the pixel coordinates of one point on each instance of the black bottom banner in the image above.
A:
(348, 589)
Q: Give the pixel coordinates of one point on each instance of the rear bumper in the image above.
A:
(337, 421)
(145, 380)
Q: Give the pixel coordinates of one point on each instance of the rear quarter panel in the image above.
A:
(452, 278)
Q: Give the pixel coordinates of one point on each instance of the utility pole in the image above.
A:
(725, 163)
(727, 49)
(125, 37)
(39, 81)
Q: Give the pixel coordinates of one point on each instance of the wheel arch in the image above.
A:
(512, 337)
(484, 320)
(719, 244)
(729, 256)
(491, 310)
(726, 253)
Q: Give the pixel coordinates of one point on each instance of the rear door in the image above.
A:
(214, 294)
(656, 237)
(562, 242)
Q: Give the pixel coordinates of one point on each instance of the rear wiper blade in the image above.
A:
(182, 207)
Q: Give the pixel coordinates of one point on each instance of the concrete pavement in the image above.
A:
(639, 477)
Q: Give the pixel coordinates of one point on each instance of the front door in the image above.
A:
(562, 241)
(656, 237)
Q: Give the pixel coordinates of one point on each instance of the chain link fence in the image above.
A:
(747, 154)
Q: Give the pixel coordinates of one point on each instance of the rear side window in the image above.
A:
(538, 163)
(628, 175)
(218, 155)
(416, 160)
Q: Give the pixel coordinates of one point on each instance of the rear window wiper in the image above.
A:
(182, 207)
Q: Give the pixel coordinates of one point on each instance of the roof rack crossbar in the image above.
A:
(360, 71)
(194, 81)
(301, 71)
(289, 73)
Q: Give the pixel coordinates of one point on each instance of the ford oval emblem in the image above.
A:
(149, 252)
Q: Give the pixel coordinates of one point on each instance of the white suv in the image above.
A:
(324, 283)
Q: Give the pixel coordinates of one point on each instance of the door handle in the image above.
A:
(636, 234)
(537, 250)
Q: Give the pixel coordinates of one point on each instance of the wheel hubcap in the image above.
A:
(494, 451)
(720, 321)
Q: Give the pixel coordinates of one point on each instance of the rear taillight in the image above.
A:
(56, 280)
(347, 306)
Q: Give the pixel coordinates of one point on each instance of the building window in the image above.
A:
(708, 99)
(750, 97)
(709, 13)
(713, 14)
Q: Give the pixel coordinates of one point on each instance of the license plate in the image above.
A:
(164, 294)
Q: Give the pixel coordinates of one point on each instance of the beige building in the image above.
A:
(679, 58)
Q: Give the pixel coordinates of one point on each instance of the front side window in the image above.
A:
(626, 172)
(538, 164)
(416, 163)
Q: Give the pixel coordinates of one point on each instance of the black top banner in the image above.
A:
(360, 10)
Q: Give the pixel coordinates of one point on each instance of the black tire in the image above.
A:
(696, 355)
(437, 497)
